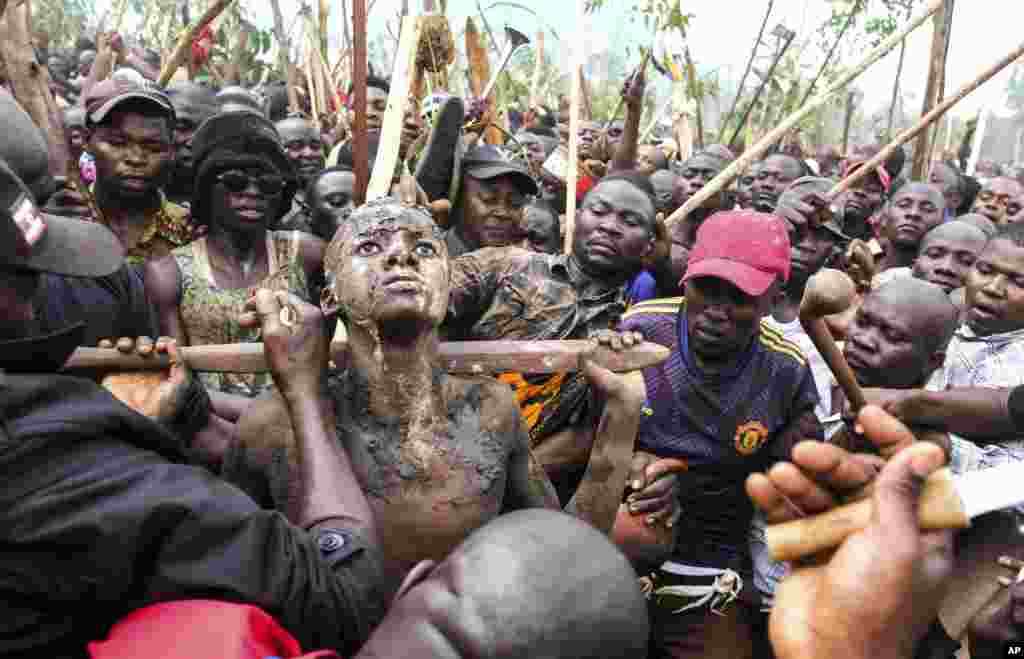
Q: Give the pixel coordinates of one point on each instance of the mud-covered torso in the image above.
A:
(431, 479)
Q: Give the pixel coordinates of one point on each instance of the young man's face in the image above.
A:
(647, 159)
(774, 175)
(664, 183)
(915, 210)
(492, 212)
(376, 105)
(190, 110)
(995, 289)
(304, 147)
(393, 271)
(945, 260)
(811, 248)
(332, 200)
(865, 198)
(614, 228)
(721, 319)
(542, 232)
(883, 346)
(133, 153)
(947, 181)
(240, 200)
(998, 198)
(696, 173)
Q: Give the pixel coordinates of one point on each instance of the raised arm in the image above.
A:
(633, 95)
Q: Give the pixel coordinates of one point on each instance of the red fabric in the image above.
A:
(200, 629)
(583, 185)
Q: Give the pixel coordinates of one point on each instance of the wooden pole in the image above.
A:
(574, 129)
(360, 146)
(828, 58)
(470, 357)
(756, 151)
(184, 45)
(743, 80)
(933, 91)
(391, 126)
(698, 99)
(927, 120)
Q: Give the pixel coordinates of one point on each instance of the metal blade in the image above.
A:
(986, 490)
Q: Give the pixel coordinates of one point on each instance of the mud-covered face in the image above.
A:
(388, 265)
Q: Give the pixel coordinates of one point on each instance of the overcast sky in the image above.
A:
(723, 31)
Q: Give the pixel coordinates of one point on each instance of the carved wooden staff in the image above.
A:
(926, 121)
(470, 357)
(723, 179)
(184, 46)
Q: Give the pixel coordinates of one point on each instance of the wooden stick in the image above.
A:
(743, 80)
(940, 507)
(926, 121)
(314, 100)
(764, 85)
(574, 129)
(360, 145)
(394, 115)
(718, 183)
(473, 357)
(328, 80)
(184, 45)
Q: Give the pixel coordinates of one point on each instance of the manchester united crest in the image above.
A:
(750, 436)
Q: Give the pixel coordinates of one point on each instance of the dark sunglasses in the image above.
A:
(238, 181)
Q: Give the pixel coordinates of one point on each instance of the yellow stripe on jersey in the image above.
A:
(784, 346)
(669, 305)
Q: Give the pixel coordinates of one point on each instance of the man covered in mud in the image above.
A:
(437, 455)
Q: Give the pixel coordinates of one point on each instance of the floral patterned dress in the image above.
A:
(210, 313)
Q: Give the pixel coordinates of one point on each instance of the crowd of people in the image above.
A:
(366, 502)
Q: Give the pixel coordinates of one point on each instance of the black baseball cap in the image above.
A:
(487, 162)
(33, 240)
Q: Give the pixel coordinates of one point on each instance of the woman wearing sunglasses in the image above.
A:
(244, 183)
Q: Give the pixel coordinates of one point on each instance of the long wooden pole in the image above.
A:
(474, 357)
(574, 128)
(537, 68)
(764, 84)
(360, 145)
(927, 120)
(184, 45)
(743, 80)
(750, 155)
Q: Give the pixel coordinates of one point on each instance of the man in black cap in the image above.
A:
(100, 516)
(131, 130)
(193, 104)
(489, 208)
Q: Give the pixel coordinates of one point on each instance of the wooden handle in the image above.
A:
(467, 357)
(940, 507)
(822, 339)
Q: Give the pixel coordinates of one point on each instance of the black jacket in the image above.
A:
(98, 516)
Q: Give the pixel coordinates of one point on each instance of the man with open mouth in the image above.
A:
(305, 149)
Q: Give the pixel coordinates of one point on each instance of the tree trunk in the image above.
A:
(933, 93)
(30, 84)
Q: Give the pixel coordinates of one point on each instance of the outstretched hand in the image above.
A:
(877, 593)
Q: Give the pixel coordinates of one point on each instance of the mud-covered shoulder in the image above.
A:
(494, 401)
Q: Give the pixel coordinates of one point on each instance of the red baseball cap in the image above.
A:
(745, 248)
